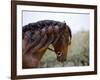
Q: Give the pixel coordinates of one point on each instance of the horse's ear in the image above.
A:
(64, 25)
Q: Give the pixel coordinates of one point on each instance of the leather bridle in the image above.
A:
(51, 49)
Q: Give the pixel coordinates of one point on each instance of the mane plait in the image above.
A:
(37, 26)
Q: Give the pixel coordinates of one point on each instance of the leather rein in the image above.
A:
(51, 49)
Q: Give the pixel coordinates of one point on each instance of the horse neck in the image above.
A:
(39, 56)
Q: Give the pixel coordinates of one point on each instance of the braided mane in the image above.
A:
(37, 26)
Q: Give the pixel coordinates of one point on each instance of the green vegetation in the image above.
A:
(78, 54)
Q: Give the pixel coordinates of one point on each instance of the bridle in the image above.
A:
(51, 49)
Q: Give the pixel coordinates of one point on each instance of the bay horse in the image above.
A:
(37, 36)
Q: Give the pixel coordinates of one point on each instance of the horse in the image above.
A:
(39, 35)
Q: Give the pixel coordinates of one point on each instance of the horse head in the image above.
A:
(63, 39)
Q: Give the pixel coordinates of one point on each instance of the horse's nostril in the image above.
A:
(59, 53)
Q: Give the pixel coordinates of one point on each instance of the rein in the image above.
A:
(51, 49)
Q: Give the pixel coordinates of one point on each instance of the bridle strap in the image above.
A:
(51, 49)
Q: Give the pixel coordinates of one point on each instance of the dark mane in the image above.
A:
(37, 26)
(41, 24)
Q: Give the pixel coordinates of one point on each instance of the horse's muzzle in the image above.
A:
(61, 57)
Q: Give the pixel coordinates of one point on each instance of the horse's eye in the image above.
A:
(59, 53)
